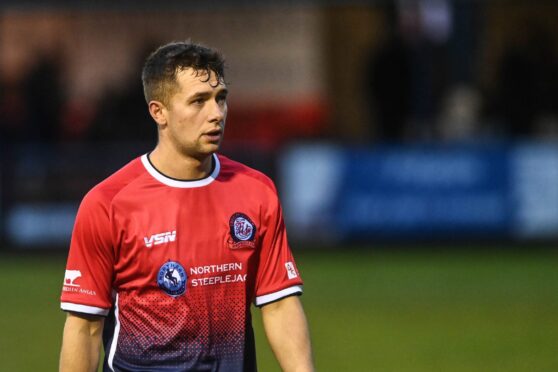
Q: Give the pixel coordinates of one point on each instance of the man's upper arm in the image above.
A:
(81, 345)
(93, 324)
(287, 331)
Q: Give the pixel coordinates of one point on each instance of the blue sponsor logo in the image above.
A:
(172, 279)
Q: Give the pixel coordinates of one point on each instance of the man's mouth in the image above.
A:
(213, 135)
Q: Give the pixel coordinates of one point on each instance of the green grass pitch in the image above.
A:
(493, 310)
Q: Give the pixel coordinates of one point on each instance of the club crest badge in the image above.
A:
(242, 231)
(172, 279)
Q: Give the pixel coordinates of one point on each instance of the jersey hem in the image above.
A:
(84, 309)
(275, 296)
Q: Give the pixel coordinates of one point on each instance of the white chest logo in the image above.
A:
(161, 238)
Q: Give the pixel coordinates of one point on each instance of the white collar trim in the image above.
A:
(178, 183)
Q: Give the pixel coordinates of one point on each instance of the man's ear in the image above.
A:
(158, 112)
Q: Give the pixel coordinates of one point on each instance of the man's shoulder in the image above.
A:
(107, 189)
(231, 168)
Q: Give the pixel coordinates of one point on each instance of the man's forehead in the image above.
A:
(190, 77)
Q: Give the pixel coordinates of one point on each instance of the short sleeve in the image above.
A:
(87, 286)
(277, 276)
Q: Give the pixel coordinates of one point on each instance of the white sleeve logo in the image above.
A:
(291, 272)
(71, 276)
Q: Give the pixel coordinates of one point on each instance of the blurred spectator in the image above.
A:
(459, 118)
(121, 117)
(409, 72)
(13, 112)
(389, 84)
(31, 106)
(526, 82)
(77, 119)
(120, 114)
(43, 99)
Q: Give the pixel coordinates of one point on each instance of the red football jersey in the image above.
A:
(176, 264)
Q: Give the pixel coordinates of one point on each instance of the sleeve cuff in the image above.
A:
(272, 297)
(92, 310)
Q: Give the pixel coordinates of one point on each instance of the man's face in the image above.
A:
(196, 114)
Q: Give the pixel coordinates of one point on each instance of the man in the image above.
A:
(169, 252)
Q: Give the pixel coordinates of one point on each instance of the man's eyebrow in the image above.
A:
(207, 94)
(200, 95)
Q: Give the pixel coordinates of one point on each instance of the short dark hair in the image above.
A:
(161, 67)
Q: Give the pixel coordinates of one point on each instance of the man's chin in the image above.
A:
(210, 149)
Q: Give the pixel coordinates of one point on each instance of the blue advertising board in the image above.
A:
(421, 191)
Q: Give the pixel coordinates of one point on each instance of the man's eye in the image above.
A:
(198, 101)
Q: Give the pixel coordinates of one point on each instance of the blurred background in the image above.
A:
(414, 144)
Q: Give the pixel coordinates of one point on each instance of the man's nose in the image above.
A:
(218, 112)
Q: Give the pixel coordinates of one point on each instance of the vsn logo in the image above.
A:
(161, 238)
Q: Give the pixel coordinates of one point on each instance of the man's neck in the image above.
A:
(179, 166)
